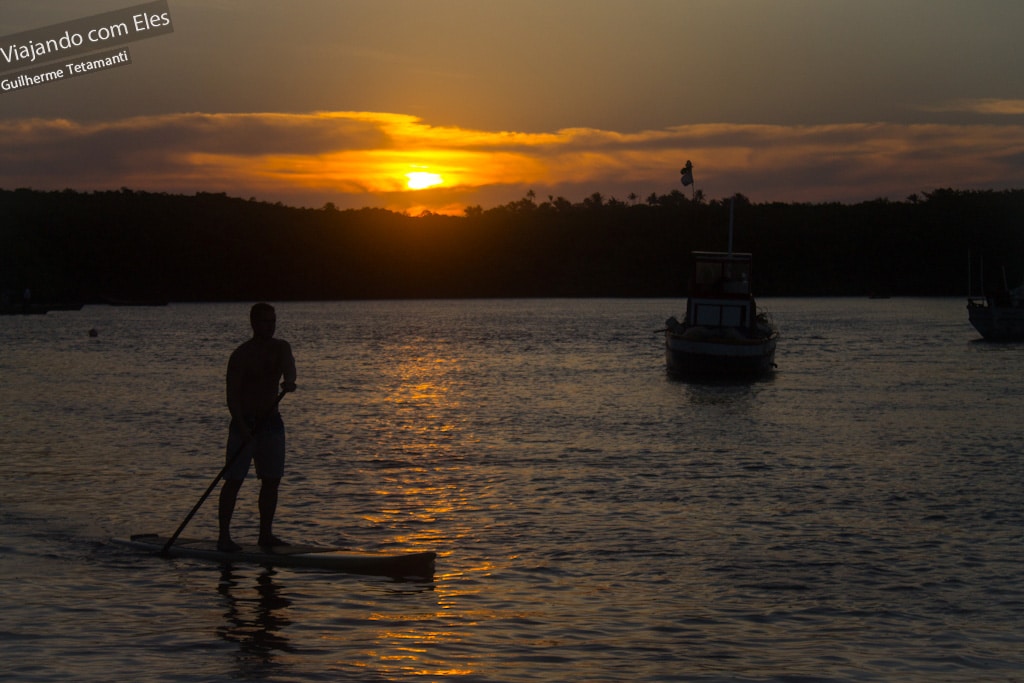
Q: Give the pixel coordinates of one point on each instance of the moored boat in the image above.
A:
(722, 334)
(30, 308)
(999, 317)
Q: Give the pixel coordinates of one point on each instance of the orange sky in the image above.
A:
(343, 101)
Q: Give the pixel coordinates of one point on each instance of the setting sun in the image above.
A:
(420, 180)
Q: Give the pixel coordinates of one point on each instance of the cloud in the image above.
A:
(357, 159)
(990, 106)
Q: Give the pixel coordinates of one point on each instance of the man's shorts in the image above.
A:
(265, 448)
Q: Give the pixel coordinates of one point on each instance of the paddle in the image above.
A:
(209, 489)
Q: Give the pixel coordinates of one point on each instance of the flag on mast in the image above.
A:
(687, 173)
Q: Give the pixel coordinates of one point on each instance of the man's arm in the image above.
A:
(288, 367)
(233, 386)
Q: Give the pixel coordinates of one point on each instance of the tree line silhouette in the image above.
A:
(141, 246)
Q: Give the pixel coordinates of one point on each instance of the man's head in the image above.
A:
(263, 320)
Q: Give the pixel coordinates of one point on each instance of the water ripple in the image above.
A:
(856, 518)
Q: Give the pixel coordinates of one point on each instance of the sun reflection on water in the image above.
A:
(420, 495)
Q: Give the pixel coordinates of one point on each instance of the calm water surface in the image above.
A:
(858, 517)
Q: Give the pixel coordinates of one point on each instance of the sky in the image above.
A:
(436, 105)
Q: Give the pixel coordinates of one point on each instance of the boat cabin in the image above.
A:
(720, 290)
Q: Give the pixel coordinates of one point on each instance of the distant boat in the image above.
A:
(722, 334)
(999, 317)
(113, 301)
(27, 308)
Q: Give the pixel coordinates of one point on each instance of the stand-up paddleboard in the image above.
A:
(399, 565)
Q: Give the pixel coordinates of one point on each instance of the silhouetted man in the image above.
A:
(257, 431)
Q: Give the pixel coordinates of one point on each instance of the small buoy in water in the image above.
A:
(93, 333)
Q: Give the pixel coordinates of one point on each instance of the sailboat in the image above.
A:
(997, 316)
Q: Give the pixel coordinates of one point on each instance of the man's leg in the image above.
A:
(225, 510)
(268, 506)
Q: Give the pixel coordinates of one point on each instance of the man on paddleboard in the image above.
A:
(257, 431)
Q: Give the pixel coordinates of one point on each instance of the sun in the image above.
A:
(420, 180)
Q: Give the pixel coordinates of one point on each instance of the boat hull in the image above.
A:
(725, 357)
(997, 323)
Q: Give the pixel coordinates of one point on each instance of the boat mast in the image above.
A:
(732, 202)
(969, 282)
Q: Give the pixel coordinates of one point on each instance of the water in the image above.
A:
(856, 518)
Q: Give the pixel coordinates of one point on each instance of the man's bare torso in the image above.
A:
(254, 371)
